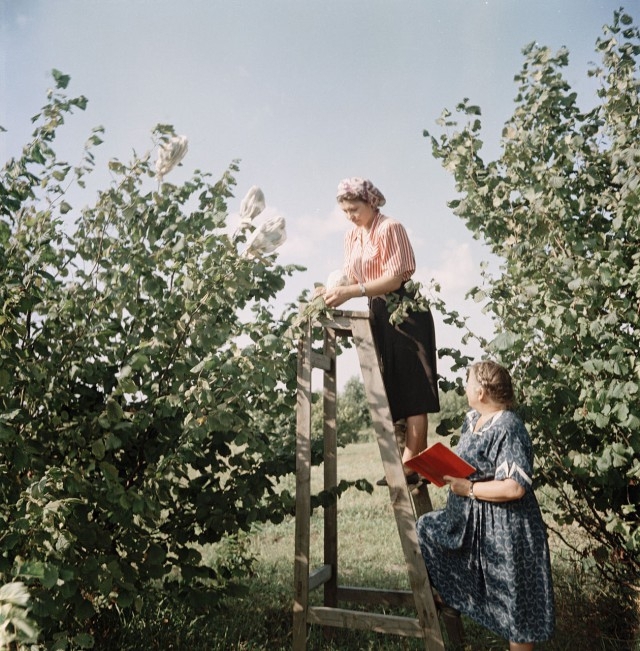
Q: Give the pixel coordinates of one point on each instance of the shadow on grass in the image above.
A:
(591, 615)
(595, 619)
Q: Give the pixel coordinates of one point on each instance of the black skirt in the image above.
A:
(407, 354)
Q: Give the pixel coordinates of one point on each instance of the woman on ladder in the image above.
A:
(378, 261)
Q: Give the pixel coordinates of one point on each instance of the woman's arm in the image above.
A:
(496, 490)
(338, 295)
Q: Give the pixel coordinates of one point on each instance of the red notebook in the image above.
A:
(438, 460)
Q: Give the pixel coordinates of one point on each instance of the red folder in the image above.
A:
(438, 460)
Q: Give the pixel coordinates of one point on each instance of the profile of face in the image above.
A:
(473, 389)
(358, 212)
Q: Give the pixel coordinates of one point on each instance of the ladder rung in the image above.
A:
(376, 596)
(318, 360)
(319, 576)
(380, 623)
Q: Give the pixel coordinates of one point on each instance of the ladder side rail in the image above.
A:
(398, 489)
(303, 492)
(330, 468)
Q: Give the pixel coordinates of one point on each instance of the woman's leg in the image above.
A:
(519, 646)
(416, 436)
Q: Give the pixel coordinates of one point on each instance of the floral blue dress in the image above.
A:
(490, 560)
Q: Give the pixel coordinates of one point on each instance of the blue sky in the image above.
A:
(304, 93)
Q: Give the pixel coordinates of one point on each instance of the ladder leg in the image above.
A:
(330, 475)
(303, 494)
(398, 490)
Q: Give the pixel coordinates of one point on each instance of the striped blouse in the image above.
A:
(384, 251)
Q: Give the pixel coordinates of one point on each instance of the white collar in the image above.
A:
(494, 419)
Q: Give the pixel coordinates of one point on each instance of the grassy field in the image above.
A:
(590, 615)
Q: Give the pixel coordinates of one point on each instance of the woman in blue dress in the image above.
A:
(486, 552)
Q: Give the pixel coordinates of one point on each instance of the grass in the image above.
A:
(590, 616)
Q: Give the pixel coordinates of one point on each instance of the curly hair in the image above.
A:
(496, 381)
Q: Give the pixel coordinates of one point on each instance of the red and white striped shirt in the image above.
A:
(384, 251)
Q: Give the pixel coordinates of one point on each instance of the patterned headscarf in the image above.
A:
(363, 189)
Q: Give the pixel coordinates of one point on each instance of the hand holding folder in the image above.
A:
(438, 460)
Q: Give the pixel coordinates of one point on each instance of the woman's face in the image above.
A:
(473, 389)
(358, 212)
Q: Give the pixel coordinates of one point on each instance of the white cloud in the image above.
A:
(315, 241)
(457, 271)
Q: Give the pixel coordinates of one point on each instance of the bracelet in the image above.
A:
(363, 290)
(471, 495)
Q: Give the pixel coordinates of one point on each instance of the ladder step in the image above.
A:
(319, 576)
(376, 596)
(318, 360)
(343, 618)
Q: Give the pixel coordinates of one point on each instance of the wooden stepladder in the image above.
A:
(406, 505)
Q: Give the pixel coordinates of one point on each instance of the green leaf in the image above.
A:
(62, 80)
(503, 341)
(114, 410)
(50, 576)
(98, 449)
(83, 640)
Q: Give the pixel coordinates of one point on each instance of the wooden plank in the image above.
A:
(377, 622)
(376, 596)
(321, 361)
(352, 314)
(319, 577)
(329, 405)
(421, 499)
(402, 599)
(453, 625)
(340, 320)
(303, 492)
(398, 489)
(338, 324)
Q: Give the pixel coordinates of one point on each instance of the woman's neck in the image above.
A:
(486, 414)
(367, 227)
(486, 411)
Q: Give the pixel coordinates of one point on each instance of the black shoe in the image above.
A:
(413, 478)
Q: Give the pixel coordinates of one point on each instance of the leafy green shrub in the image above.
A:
(148, 393)
(560, 208)
(353, 416)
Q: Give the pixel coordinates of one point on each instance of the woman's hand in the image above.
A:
(336, 296)
(458, 485)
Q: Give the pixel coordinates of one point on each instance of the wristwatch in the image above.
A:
(363, 290)
(471, 495)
